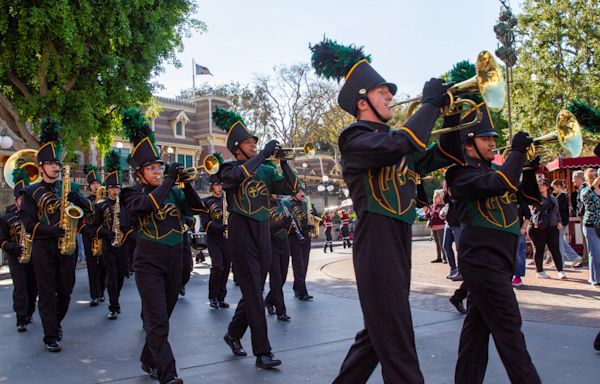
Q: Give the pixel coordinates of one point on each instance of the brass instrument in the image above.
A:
(69, 216)
(567, 133)
(25, 159)
(210, 164)
(312, 219)
(100, 194)
(117, 241)
(26, 244)
(281, 153)
(96, 241)
(489, 82)
(225, 215)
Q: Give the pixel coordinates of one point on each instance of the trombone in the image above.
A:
(282, 153)
(488, 81)
(567, 133)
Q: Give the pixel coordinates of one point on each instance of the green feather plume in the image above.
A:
(87, 168)
(112, 162)
(224, 118)
(19, 174)
(588, 117)
(135, 125)
(333, 61)
(219, 157)
(461, 71)
(50, 131)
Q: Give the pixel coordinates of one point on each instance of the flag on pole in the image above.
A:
(200, 70)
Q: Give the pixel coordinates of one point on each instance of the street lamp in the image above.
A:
(119, 145)
(325, 188)
(170, 151)
(304, 166)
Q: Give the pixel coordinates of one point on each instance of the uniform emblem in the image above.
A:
(393, 188)
(498, 210)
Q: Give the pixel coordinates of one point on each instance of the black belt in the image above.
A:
(589, 225)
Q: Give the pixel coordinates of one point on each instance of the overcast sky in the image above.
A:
(409, 40)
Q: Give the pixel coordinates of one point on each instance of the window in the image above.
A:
(186, 160)
(179, 129)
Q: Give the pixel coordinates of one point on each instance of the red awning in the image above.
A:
(573, 162)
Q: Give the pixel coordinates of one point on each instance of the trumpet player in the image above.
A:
(43, 218)
(114, 228)
(300, 248)
(157, 206)
(95, 264)
(248, 183)
(215, 227)
(21, 269)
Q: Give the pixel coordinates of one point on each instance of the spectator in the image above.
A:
(590, 197)
(436, 224)
(451, 234)
(579, 182)
(543, 230)
(524, 220)
(567, 252)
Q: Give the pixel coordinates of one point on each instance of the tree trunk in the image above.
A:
(10, 119)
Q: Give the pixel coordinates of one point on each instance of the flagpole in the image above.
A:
(193, 78)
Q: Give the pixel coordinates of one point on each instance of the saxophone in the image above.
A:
(312, 220)
(25, 242)
(225, 215)
(69, 216)
(96, 241)
(117, 241)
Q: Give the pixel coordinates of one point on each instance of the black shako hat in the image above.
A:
(484, 128)
(214, 179)
(233, 124)
(91, 174)
(138, 131)
(335, 61)
(51, 148)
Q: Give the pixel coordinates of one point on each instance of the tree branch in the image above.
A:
(11, 117)
(19, 84)
(43, 72)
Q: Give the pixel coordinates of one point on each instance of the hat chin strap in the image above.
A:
(244, 152)
(366, 98)
(479, 153)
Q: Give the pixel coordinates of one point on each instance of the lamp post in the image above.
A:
(170, 151)
(325, 187)
(304, 166)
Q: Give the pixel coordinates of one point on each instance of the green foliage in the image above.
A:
(87, 168)
(19, 174)
(558, 48)
(224, 118)
(333, 61)
(219, 157)
(82, 61)
(135, 125)
(50, 130)
(112, 162)
(588, 117)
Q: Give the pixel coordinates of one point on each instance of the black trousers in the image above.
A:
(55, 276)
(280, 262)
(94, 270)
(115, 264)
(300, 250)
(250, 245)
(328, 234)
(220, 267)
(24, 288)
(382, 262)
(158, 278)
(541, 238)
(487, 259)
(188, 261)
(461, 293)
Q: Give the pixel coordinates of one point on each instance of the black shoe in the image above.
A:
(223, 304)
(28, 320)
(305, 297)
(331, 248)
(175, 380)
(456, 277)
(94, 302)
(283, 317)
(182, 292)
(267, 361)
(53, 346)
(458, 304)
(112, 315)
(22, 327)
(235, 345)
(325, 249)
(436, 261)
(214, 303)
(152, 372)
(270, 309)
(119, 309)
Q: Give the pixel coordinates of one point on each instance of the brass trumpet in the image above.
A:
(567, 133)
(281, 153)
(488, 81)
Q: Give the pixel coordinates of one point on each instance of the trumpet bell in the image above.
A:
(568, 132)
(25, 159)
(309, 150)
(211, 164)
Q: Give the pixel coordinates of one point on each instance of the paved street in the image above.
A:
(561, 321)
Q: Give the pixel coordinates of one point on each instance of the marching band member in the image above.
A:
(41, 215)
(189, 223)
(95, 265)
(21, 269)
(113, 234)
(157, 206)
(248, 183)
(216, 229)
(300, 248)
(486, 204)
(380, 166)
(328, 223)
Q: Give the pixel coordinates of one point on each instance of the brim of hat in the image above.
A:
(487, 134)
(160, 161)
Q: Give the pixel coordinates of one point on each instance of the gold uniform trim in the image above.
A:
(459, 162)
(154, 201)
(245, 170)
(414, 137)
(35, 230)
(506, 179)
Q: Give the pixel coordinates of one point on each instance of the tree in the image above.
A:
(81, 62)
(558, 47)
